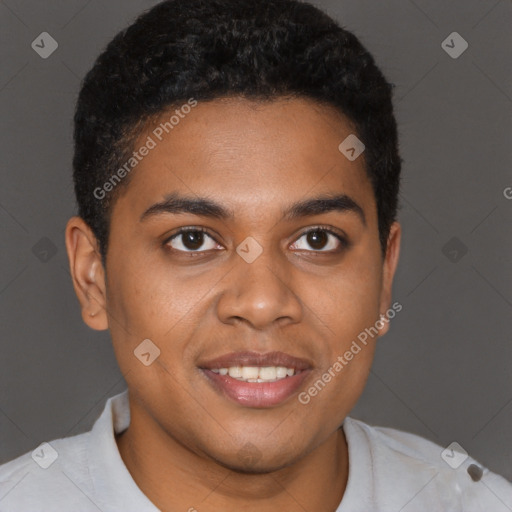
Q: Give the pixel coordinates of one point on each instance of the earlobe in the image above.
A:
(389, 269)
(87, 273)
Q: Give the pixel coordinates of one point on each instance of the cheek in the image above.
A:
(156, 302)
(348, 306)
(347, 301)
(147, 297)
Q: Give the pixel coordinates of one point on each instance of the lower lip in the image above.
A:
(256, 394)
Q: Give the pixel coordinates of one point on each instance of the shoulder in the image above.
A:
(448, 475)
(55, 472)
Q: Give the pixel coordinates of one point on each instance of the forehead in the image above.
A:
(255, 156)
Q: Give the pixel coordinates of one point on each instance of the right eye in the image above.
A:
(190, 240)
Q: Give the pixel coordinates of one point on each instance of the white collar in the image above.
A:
(114, 486)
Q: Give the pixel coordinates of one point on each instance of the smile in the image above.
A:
(256, 374)
(256, 380)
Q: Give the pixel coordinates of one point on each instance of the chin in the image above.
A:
(259, 468)
(250, 460)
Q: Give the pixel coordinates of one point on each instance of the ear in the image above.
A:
(389, 268)
(87, 273)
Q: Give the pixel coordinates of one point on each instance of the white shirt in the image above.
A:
(389, 471)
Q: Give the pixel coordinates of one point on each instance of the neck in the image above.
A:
(175, 478)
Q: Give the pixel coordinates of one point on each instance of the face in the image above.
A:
(245, 246)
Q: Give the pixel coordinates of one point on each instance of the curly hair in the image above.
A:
(208, 49)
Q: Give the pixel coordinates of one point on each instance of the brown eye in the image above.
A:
(317, 239)
(191, 240)
(320, 240)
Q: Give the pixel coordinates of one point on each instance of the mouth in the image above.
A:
(256, 380)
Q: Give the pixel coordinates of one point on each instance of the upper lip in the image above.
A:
(256, 359)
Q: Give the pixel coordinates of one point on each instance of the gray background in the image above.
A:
(443, 371)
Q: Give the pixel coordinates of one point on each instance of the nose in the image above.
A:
(261, 294)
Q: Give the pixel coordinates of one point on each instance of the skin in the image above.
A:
(187, 446)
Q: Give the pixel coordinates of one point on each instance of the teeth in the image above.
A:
(235, 371)
(281, 372)
(256, 373)
(248, 372)
(268, 373)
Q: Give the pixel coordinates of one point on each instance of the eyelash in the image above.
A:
(344, 244)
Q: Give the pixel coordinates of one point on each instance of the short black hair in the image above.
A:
(210, 49)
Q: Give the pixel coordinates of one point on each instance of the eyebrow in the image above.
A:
(175, 204)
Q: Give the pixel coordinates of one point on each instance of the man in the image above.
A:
(237, 171)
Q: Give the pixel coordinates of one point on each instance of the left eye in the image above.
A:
(319, 240)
